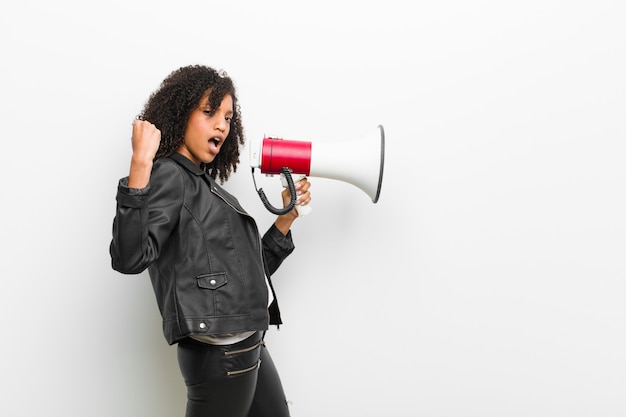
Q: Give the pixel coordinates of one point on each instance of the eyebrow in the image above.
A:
(207, 103)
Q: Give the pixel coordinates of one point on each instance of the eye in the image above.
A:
(229, 119)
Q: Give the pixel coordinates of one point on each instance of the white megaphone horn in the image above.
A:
(359, 162)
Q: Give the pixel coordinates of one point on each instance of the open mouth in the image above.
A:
(214, 145)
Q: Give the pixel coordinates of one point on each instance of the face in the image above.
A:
(206, 131)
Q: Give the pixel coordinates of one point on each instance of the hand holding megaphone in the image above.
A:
(301, 209)
(359, 163)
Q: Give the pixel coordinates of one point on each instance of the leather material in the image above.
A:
(203, 251)
(238, 380)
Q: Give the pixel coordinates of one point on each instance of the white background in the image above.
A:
(489, 279)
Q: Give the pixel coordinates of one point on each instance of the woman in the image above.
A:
(208, 264)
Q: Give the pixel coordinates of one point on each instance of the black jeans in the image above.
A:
(237, 380)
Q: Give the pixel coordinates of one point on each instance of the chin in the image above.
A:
(208, 159)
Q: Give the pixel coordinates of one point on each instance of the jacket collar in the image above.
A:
(187, 164)
(196, 170)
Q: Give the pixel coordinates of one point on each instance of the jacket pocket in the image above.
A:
(212, 281)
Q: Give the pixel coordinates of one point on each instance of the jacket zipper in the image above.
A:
(259, 239)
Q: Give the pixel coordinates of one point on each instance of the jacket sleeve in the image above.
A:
(276, 248)
(145, 218)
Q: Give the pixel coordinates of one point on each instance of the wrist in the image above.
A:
(141, 160)
(139, 175)
(284, 222)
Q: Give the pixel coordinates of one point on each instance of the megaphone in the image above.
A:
(358, 162)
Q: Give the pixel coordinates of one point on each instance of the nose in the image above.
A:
(220, 125)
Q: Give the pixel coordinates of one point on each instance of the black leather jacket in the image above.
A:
(204, 254)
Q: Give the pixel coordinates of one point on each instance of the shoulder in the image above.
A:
(165, 167)
(165, 164)
(166, 174)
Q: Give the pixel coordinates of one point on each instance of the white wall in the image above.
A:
(489, 280)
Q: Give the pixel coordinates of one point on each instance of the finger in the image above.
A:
(304, 186)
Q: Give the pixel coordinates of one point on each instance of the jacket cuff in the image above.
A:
(131, 197)
(277, 242)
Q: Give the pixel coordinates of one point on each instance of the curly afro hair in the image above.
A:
(169, 108)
